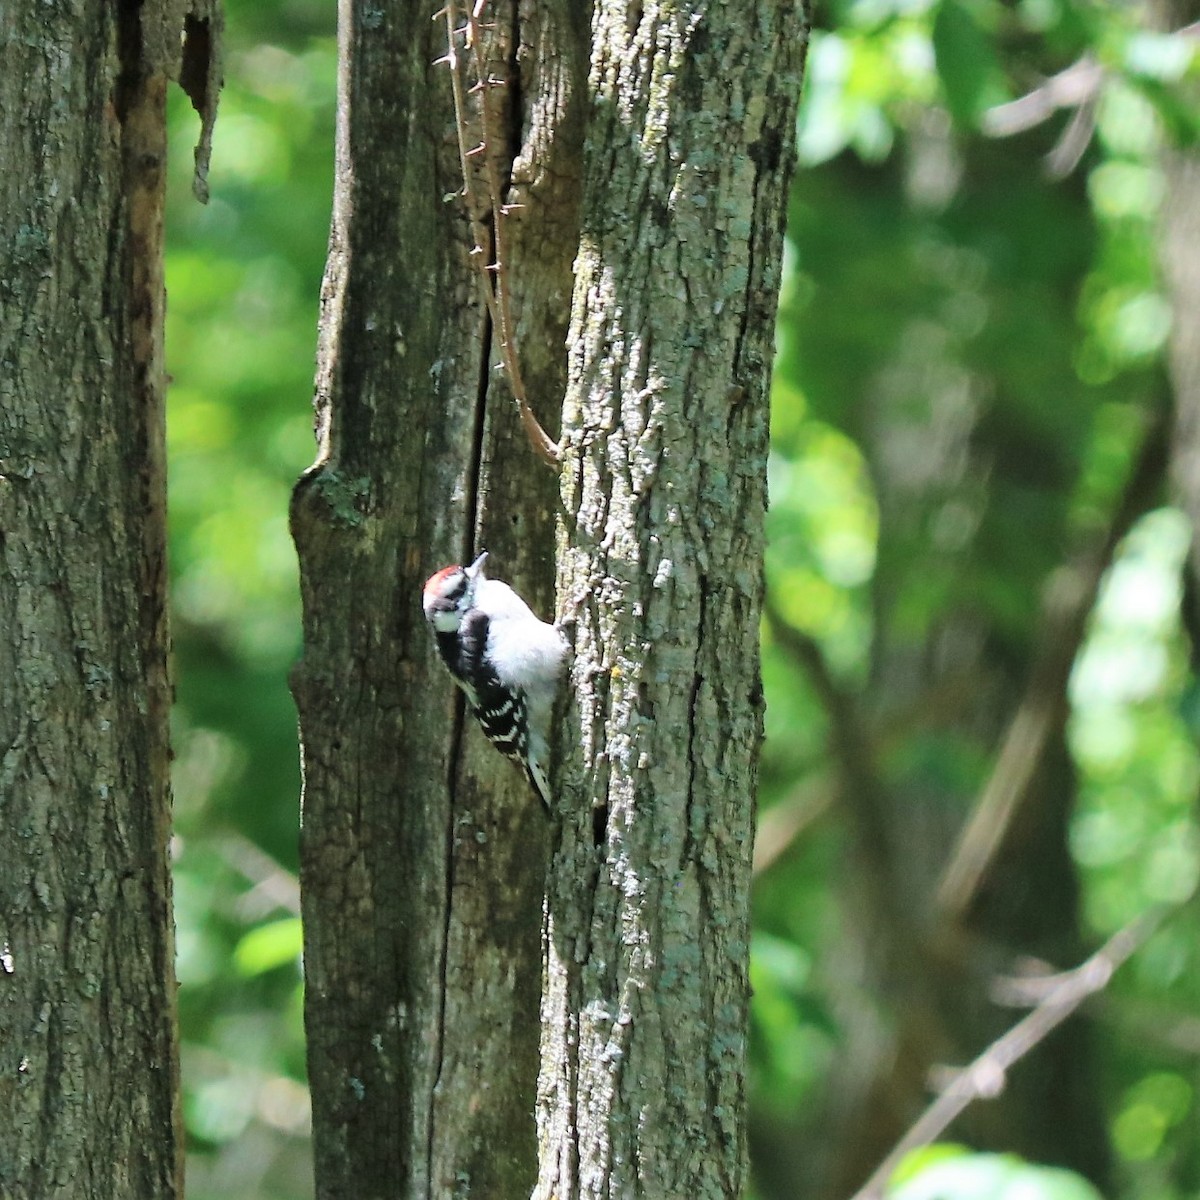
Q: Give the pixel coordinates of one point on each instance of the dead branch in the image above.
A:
(850, 746)
(492, 270)
(274, 886)
(985, 1078)
(781, 824)
(1077, 87)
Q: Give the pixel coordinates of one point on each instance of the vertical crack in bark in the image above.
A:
(456, 738)
(753, 283)
(513, 125)
(474, 490)
(475, 471)
(599, 825)
(52, 1106)
(129, 54)
(139, 97)
(689, 848)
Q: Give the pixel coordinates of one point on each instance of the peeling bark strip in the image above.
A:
(688, 156)
(88, 1054)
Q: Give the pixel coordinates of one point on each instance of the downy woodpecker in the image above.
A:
(506, 661)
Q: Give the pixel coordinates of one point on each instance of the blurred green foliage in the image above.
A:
(925, 255)
(897, 270)
(243, 277)
(943, 1171)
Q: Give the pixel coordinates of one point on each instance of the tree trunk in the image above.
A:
(89, 1098)
(423, 854)
(422, 850)
(688, 152)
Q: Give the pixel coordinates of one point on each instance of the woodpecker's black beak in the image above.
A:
(476, 567)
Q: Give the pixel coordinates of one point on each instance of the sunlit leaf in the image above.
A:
(967, 1176)
(269, 946)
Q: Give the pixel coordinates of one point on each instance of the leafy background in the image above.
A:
(935, 276)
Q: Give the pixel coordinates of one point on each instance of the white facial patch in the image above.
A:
(446, 620)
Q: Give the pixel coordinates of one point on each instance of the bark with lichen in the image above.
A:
(688, 154)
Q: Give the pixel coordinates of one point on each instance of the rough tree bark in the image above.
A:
(88, 1055)
(422, 851)
(688, 152)
(423, 856)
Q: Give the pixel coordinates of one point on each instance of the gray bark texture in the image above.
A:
(88, 1053)
(688, 154)
(424, 855)
(422, 850)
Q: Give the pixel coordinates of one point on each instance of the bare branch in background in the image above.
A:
(780, 826)
(1074, 87)
(1068, 604)
(850, 743)
(985, 1078)
(273, 885)
(1078, 87)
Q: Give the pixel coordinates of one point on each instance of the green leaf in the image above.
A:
(269, 946)
(925, 1157)
(967, 1176)
(1162, 56)
(1175, 109)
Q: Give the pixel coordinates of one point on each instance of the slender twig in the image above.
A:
(1076, 87)
(985, 1077)
(1067, 153)
(781, 825)
(274, 886)
(465, 153)
(493, 275)
(856, 785)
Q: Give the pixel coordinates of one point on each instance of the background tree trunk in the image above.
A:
(688, 151)
(1181, 272)
(89, 1091)
(422, 850)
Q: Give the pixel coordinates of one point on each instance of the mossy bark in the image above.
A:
(422, 850)
(688, 156)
